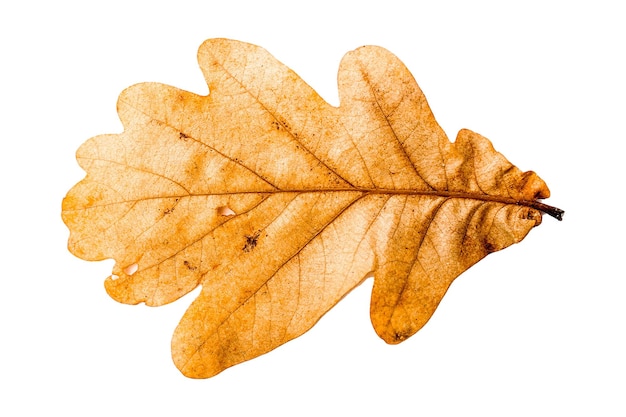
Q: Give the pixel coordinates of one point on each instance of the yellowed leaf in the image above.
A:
(278, 204)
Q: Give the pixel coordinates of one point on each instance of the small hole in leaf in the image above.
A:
(225, 211)
(114, 277)
(131, 269)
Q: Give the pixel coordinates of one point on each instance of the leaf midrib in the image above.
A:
(536, 204)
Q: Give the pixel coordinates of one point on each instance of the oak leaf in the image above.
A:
(278, 204)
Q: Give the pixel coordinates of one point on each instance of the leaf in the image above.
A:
(279, 204)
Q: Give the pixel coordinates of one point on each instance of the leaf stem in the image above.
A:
(555, 212)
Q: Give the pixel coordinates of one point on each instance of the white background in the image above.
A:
(535, 330)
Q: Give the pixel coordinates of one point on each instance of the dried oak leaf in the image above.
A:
(278, 204)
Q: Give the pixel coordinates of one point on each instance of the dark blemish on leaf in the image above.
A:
(190, 266)
(171, 209)
(284, 123)
(281, 124)
(489, 247)
(400, 336)
(183, 136)
(251, 241)
(530, 215)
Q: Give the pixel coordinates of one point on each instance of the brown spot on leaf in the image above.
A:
(170, 210)
(251, 241)
(489, 247)
(400, 337)
(190, 266)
